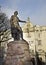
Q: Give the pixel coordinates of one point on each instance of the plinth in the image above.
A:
(18, 53)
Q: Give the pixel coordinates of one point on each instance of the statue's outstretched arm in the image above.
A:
(22, 21)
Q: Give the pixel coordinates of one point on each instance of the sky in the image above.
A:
(35, 9)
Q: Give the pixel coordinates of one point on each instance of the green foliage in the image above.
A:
(4, 27)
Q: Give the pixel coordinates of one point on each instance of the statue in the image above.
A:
(16, 30)
(17, 50)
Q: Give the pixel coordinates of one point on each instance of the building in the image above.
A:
(35, 35)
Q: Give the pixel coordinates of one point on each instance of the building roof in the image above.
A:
(29, 27)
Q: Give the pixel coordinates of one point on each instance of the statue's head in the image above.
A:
(16, 13)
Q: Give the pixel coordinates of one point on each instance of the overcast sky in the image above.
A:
(35, 9)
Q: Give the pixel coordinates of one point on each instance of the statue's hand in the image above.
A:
(25, 21)
(22, 21)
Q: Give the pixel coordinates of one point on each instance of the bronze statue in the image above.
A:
(16, 30)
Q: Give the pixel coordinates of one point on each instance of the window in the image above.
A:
(39, 42)
(39, 35)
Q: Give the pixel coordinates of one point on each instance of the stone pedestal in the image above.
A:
(18, 53)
